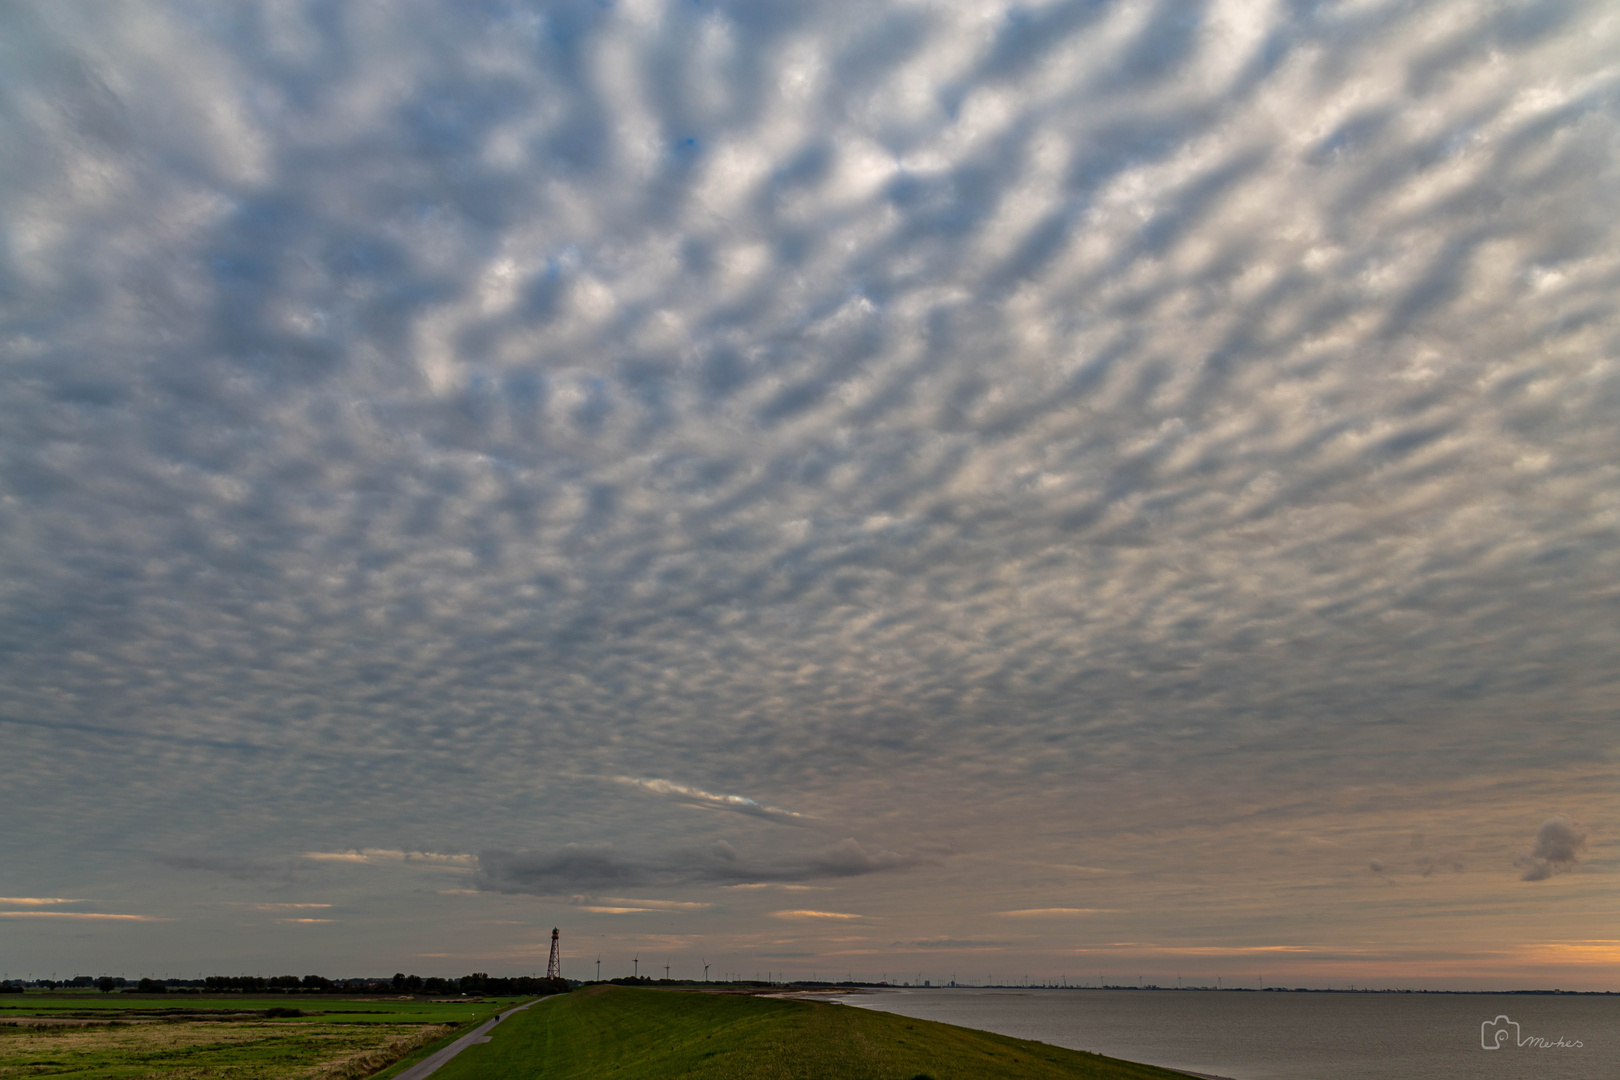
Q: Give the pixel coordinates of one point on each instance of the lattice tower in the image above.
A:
(554, 965)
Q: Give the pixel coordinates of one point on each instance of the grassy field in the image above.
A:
(174, 1037)
(359, 1010)
(634, 1034)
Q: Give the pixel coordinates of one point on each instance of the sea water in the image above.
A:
(1298, 1036)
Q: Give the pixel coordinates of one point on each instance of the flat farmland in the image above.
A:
(174, 1037)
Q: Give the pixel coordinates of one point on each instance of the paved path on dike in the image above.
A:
(476, 1035)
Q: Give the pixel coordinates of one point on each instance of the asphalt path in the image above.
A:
(477, 1035)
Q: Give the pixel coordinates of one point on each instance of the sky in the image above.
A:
(1095, 489)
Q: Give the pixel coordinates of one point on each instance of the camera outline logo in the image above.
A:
(1491, 1033)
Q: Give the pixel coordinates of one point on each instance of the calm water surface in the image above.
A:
(1283, 1036)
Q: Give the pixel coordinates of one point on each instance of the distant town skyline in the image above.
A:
(1076, 489)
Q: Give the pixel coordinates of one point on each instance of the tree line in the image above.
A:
(479, 983)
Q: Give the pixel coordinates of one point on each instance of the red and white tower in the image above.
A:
(554, 965)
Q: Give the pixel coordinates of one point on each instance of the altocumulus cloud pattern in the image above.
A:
(416, 419)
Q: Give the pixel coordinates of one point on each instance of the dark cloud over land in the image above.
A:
(576, 867)
(1556, 850)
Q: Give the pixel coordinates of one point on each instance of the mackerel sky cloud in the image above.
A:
(1143, 462)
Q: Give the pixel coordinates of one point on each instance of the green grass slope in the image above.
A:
(634, 1034)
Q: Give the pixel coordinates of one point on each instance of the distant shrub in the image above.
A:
(282, 1010)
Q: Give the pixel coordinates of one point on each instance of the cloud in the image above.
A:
(612, 905)
(1558, 844)
(1426, 864)
(778, 885)
(91, 915)
(1604, 951)
(697, 797)
(847, 858)
(1143, 948)
(659, 905)
(930, 944)
(228, 865)
(577, 867)
(1033, 913)
(809, 914)
(427, 860)
(596, 909)
(35, 901)
(920, 419)
(1430, 864)
(300, 921)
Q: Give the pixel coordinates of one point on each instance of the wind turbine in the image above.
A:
(705, 970)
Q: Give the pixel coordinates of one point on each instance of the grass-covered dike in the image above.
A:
(635, 1034)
